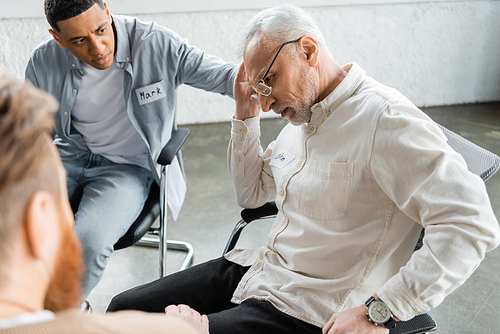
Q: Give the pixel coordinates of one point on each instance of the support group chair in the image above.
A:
(141, 231)
(479, 161)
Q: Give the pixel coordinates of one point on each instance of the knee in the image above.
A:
(119, 303)
(96, 256)
(94, 245)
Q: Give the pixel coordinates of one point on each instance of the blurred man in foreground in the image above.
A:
(40, 256)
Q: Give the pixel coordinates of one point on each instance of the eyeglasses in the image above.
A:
(262, 88)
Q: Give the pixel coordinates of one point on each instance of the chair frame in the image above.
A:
(157, 237)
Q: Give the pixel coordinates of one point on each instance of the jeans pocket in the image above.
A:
(326, 190)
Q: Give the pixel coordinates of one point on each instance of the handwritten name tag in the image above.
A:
(150, 93)
(281, 158)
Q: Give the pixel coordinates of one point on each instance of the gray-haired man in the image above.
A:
(355, 175)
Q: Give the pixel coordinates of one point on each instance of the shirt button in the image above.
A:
(127, 59)
(299, 164)
(283, 222)
(282, 191)
(311, 129)
(328, 113)
(73, 65)
(75, 90)
(78, 155)
(261, 257)
(81, 72)
(65, 113)
(243, 130)
(239, 159)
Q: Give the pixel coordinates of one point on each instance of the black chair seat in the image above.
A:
(143, 223)
(422, 323)
(141, 231)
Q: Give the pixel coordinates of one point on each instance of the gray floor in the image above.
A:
(210, 212)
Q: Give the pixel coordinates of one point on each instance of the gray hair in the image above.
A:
(281, 24)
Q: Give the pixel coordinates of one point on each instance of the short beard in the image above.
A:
(64, 291)
(302, 113)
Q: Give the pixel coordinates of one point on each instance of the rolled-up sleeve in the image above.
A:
(430, 183)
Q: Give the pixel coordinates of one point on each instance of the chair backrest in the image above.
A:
(479, 161)
(152, 207)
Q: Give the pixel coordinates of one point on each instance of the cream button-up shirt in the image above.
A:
(354, 188)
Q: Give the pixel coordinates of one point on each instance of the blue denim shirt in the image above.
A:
(150, 55)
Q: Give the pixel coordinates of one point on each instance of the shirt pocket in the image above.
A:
(326, 190)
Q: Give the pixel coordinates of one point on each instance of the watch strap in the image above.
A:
(369, 301)
(391, 323)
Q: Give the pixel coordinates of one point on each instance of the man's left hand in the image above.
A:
(352, 321)
(197, 321)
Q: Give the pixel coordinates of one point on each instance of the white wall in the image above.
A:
(436, 53)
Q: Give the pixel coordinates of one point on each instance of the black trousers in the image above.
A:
(208, 288)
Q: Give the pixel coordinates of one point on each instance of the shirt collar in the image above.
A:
(122, 52)
(326, 107)
(73, 62)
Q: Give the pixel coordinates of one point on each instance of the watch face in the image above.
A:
(379, 312)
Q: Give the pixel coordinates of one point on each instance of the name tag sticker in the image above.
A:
(150, 93)
(281, 159)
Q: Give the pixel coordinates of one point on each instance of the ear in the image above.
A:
(310, 48)
(42, 226)
(107, 10)
(56, 37)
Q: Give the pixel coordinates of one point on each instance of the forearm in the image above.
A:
(204, 71)
(248, 164)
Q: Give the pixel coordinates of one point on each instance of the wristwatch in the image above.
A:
(379, 314)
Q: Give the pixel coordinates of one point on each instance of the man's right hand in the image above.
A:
(197, 321)
(246, 107)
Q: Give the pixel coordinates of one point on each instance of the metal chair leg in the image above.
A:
(160, 240)
(163, 222)
(154, 241)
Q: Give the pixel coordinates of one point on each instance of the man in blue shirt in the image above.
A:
(115, 79)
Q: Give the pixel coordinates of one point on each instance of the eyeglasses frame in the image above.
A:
(261, 81)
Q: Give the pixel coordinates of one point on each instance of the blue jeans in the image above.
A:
(107, 198)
